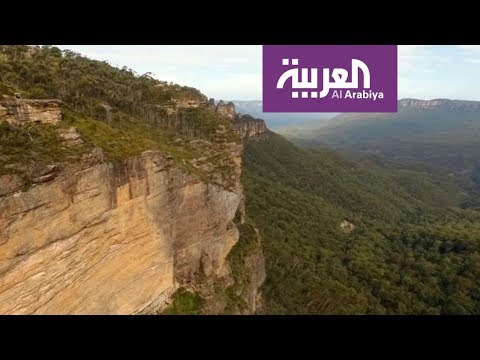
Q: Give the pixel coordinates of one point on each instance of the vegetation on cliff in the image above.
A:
(114, 114)
(117, 110)
(185, 302)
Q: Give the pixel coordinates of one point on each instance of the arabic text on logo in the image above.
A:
(330, 78)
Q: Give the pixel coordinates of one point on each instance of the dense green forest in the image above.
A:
(412, 251)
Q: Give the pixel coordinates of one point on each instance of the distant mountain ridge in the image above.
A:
(439, 133)
(408, 105)
(285, 121)
(440, 104)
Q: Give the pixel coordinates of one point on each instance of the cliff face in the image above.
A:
(255, 270)
(91, 222)
(252, 128)
(20, 111)
(226, 109)
(113, 238)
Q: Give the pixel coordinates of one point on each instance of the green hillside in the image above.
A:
(413, 251)
(116, 110)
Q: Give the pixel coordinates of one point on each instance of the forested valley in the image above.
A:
(360, 237)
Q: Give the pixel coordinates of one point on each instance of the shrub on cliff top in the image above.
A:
(185, 303)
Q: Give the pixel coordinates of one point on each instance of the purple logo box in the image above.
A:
(330, 78)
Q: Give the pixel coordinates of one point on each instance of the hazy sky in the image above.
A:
(234, 72)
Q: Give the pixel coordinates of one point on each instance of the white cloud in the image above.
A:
(423, 58)
(210, 56)
(237, 86)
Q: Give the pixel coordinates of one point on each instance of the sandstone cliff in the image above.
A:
(252, 128)
(20, 111)
(226, 109)
(113, 238)
(92, 221)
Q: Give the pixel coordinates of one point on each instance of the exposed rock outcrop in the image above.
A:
(252, 128)
(9, 183)
(21, 111)
(226, 109)
(240, 291)
(41, 174)
(347, 226)
(71, 136)
(187, 103)
(255, 270)
(246, 125)
(211, 104)
(113, 238)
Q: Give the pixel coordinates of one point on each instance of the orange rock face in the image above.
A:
(30, 111)
(114, 238)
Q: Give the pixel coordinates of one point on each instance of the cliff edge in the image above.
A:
(114, 201)
(120, 237)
